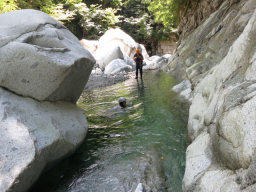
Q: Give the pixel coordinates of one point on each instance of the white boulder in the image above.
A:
(118, 37)
(90, 45)
(106, 54)
(40, 58)
(117, 66)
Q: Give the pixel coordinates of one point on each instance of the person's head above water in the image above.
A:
(122, 102)
(137, 50)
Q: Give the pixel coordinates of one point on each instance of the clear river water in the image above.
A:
(144, 143)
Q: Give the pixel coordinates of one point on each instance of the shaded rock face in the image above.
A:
(42, 61)
(40, 58)
(219, 59)
(195, 12)
(33, 134)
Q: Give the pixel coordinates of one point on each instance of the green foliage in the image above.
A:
(166, 11)
(147, 21)
(104, 3)
(95, 20)
(8, 5)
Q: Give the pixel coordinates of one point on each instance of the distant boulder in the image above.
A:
(118, 37)
(90, 45)
(106, 54)
(155, 62)
(117, 66)
(130, 61)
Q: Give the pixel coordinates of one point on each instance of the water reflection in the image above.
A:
(144, 144)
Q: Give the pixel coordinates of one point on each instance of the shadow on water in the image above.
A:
(145, 143)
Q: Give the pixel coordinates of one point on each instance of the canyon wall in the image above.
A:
(216, 61)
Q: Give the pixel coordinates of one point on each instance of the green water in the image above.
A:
(145, 143)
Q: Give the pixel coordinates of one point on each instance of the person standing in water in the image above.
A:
(138, 58)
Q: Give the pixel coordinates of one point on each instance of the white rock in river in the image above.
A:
(106, 54)
(117, 66)
(40, 58)
(34, 134)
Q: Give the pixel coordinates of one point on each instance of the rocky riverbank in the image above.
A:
(216, 64)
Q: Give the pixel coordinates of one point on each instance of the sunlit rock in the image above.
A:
(90, 45)
(119, 38)
(40, 58)
(198, 160)
(106, 54)
(218, 179)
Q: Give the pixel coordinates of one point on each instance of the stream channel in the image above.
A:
(145, 143)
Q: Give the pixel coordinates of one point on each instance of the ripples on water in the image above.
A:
(146, 143)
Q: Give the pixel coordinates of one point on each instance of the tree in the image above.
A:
(166, 11)
(8, 5)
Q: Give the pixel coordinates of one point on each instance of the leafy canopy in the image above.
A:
(166, 11)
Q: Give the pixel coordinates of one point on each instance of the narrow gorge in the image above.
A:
(190, 124)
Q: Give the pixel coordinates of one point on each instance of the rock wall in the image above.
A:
(219, 60)
(193, 13)
(43, 70)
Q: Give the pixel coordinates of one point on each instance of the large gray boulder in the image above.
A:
(34, 134)
(40, 58)
(43, 70)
